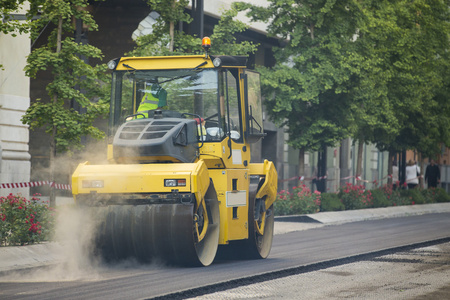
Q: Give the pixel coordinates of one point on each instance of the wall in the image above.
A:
(14, 100)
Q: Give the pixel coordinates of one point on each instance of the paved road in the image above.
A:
(75, 278)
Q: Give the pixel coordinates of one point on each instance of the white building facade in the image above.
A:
(14, 100)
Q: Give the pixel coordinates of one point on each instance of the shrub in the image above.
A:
(429, 195)
(380, 197)
(283, 203)
(24, 221)
(330, 202)
(416, 196)
(441, 195)
(300, 201)
(355, 196)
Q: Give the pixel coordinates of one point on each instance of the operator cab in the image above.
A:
(217, 94)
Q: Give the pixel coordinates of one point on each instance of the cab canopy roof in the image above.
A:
(177, 62)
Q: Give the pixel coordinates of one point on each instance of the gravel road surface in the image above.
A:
(422, 273)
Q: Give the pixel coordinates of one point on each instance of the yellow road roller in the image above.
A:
(179, 181)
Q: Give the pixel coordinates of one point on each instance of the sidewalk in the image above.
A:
(285, 224)
(23, 257)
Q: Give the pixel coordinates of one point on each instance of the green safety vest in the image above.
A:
(201, 130)
(149, 102)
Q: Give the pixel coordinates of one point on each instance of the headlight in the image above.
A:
(217, 62)
(92, 184)
(112, 64)
(174, 182)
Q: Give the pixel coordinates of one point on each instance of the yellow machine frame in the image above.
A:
(226, 163)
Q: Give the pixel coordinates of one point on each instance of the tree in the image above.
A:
(309, 85)
(61, 56)
(10, 24)
(165, 41)
(369, 69)
(407, 43)
(224, 33)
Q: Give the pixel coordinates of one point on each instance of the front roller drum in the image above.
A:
(164, 231)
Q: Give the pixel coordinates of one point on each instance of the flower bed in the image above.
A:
(24, 221)
(301, 200)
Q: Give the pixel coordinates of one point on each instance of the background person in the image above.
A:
(395, 181)
(412, 173)
(432, 174)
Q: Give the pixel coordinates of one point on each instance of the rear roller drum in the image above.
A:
(260, 230)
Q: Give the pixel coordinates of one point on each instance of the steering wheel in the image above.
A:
(133, 117)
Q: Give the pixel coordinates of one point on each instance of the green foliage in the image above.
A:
(355, 197)
(435, 195)
(415, 196)
(404, 46)
(9, 24)
(374, 70)
(300, 201)
(387, 196)
(24, 221)
(380, 198)
(309, 85)
(12, 25)
(157, 43)
(72, 79)
(440, 195)
(330, 202)
(223, 38)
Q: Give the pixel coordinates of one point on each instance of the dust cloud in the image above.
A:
(74, 253)
(72, 250)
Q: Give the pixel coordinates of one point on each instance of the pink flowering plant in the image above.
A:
(355, 196)
(24, 221)
(301, 200)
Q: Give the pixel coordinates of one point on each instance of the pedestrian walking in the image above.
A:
(412, 174)
(432, 175)
(395, 182)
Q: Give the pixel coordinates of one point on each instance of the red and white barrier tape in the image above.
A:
(303, 178)
(358, 178)
(34, 184)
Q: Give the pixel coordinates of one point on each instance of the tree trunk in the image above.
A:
(301, 164)
(172, 30)
(360, 158)
(419, 163)
(53, 138)
(390, 161)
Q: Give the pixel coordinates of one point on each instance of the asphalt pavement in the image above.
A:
(44, 254)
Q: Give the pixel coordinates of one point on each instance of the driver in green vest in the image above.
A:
(153, 99)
